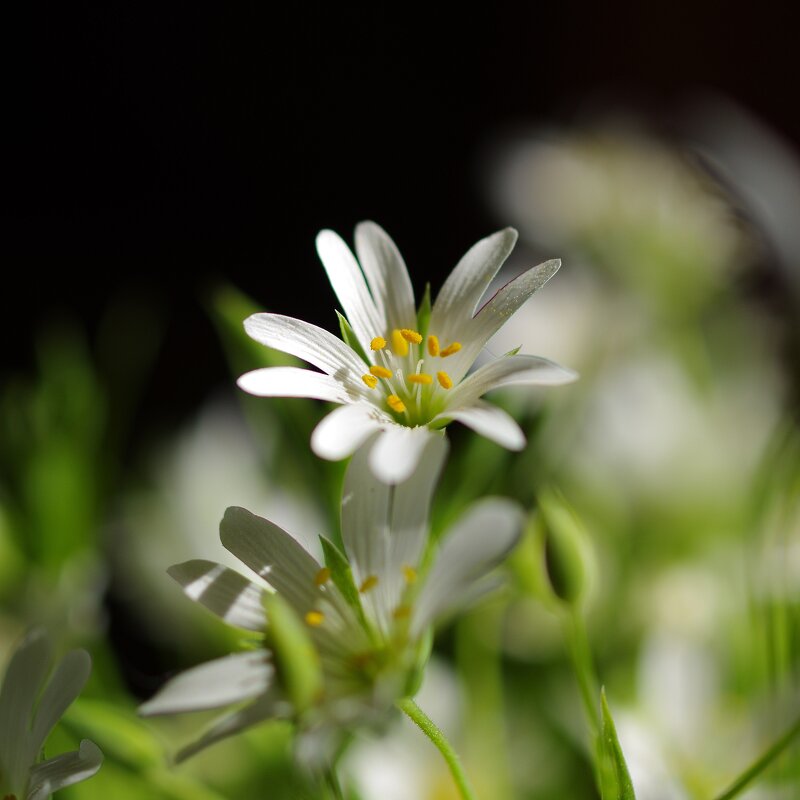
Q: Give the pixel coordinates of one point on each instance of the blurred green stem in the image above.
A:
(333, 789)
(583, 664)
(761, 764)
(429, 728)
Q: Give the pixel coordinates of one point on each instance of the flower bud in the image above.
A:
(563, 546)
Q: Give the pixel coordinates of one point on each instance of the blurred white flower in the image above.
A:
(399, 372)
(366, 622)
(648, 427)
(31, 703)
(626, 201)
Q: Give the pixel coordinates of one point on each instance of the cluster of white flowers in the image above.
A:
(339, 639)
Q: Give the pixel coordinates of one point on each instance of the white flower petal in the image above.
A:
(344, 430)
(491, 422)
(397, 451)
(23, 680)
(385, 527)
(459, 296)
(507, 371)
(64, 770)
(266, 707)
(65, 685)
(222, 591)
(295, 382)
(411, 506)
(218, 683)
(479, 541)
(387, 276)
(364, 315)
(274, 555)
(309, 342)
(507, 300)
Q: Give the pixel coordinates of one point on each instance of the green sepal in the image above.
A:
(615, 780)
(341, 574)
(424, 312)
(297, 659)
(349, 338)
(422, 657)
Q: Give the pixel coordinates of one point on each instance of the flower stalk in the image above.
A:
(434, 733)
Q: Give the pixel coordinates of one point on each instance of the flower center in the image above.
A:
(408, 380)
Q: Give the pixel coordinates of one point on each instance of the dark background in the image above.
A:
(153, 151)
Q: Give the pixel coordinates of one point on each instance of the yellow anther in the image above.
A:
(399, 344)
(445, 381)
(409, 573)
(450, 349)
(419, 377)
(322, 577)
(378, 343)
(370, 380)
(411, 336)
(395, 403)
(315, 618)
(433, 345)
(402, 612)
(368, 583)
(380, 372)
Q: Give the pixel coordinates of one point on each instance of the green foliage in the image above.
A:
(615, 780)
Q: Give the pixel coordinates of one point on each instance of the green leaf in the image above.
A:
(349, 338)
(424, 312)
(297, 658)
(341, 574)
(615, 780)
(122, 735)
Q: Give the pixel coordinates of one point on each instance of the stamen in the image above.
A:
(411, 336)
(314, 618)
(370, 380)
(380, 372)
(395, 403)
(322, 577)
(399, 344)
(369, 583)
(450, 349)
(378, 343)
(419, 377)
(409, 573)
(433, 345)
(402, 612)
(445, 381)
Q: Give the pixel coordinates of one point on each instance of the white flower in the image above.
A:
(30, 705)
(403, 374)
(367, 621)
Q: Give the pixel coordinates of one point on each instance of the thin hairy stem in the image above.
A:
(430, 729)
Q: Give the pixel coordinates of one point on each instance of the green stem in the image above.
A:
(332, 785)
(582, 662)
(761, 764)
(429, 728)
